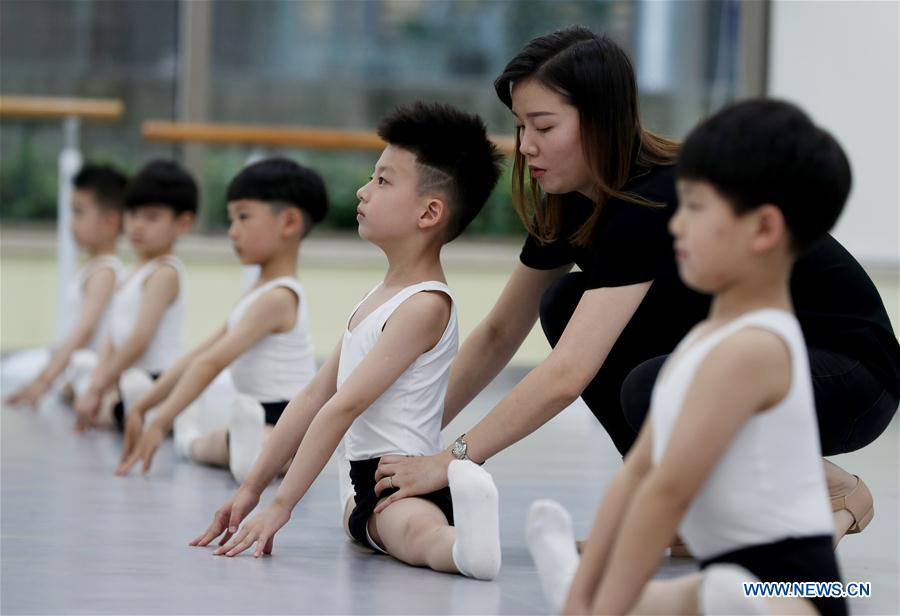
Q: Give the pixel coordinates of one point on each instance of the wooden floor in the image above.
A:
(76, 539)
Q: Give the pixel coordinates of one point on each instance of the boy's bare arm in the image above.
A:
(98, 290)
(88, 403)
(718, 403)
(163, 386)
(271, 312)
(281, 445)
(160, 290)
(294, 423)
(414, 328)
(608, 524)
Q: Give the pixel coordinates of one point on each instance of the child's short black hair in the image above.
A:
(281, 182)
(453, 155)
(768, 151)
(107, 185)
(162, 182)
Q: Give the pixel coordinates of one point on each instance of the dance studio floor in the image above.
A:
(76, 539)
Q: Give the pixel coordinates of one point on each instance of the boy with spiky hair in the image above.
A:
(382, 389)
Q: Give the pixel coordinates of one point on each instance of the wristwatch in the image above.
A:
(460, 447)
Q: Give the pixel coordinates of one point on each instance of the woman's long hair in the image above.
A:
(594, 75)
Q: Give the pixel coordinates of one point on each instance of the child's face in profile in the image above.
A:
(712, 242)
(390, 203)
(255, 230)
(92, 225)
(153, 229)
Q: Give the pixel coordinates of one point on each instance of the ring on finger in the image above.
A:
(391, 481)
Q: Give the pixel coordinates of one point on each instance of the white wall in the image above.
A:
(840, 61)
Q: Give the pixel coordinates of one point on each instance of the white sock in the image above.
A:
(551, 541)
(476, 551)
(245, 435)
(187, 428)
(721, 592)
(78, 373)
(133, 384)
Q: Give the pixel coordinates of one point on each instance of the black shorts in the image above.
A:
(810, 559)
(362, 474)
(274, 410)
(119, 409)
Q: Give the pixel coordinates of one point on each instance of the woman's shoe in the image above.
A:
(859, 503)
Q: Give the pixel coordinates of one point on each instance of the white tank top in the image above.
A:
(165, 346)
(74, 300)
(279, 365)
(406, 418)
(769, 485)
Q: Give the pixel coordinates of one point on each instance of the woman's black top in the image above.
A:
(835, 301)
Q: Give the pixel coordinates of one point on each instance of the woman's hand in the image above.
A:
(260, 529)
(411, 475)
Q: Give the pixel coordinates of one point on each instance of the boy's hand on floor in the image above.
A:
(260, 529)
(229, 517)
(86, 408)
(134, 430)
(29, 395)
(144, 450)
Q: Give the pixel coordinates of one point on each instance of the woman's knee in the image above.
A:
(636, 390)
(852, 406)
(558, 304)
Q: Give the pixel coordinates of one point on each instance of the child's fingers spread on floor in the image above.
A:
(241, 545)
(148, 458)
(261, 544)
(212, 531)
(229, 546)
(228, 534)
(130, 462)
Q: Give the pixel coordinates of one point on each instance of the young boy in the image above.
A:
(730, 457)
(97, 201)
(384, 384)
(273, 204)
(147, 313)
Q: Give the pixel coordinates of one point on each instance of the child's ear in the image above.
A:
(770, 228)
(435, 211)
(112, 221)
(292, 221)
(184, 222)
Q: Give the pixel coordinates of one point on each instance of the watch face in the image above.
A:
(459, 450)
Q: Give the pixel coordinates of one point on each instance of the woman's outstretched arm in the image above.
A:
(490, 346)
(596, 324)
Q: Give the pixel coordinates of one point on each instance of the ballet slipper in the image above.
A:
(858, 503)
